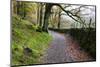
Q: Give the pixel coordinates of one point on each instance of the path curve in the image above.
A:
(56, 53)
(64, 49)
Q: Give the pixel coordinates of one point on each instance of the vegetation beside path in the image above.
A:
(27, 44)
(85, 37)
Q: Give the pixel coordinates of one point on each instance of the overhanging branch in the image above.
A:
(70, 14)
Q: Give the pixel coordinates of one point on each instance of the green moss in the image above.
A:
(24, 35)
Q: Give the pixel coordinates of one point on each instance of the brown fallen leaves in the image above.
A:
(75, 51)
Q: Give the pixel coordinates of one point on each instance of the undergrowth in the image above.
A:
(27, 44)
(86, 38)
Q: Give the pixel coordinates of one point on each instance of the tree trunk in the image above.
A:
(38, 13)
(24, 12)
(18, 7)
(59, 20)
(40, 22)
(48, 7)
(14, 7)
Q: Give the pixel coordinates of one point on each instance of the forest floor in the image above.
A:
(64, 49)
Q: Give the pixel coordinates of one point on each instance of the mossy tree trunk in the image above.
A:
(59, 17)
(40, 20)
(48, 7)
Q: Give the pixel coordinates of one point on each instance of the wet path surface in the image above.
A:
(59, 50)
(56, 52)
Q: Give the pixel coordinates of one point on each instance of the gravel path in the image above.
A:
(64, 49)
(56, 53)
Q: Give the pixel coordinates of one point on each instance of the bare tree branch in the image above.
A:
(70, 14)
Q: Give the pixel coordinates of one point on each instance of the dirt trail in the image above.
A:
(62, 49)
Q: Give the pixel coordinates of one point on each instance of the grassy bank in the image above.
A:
(27, 44)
